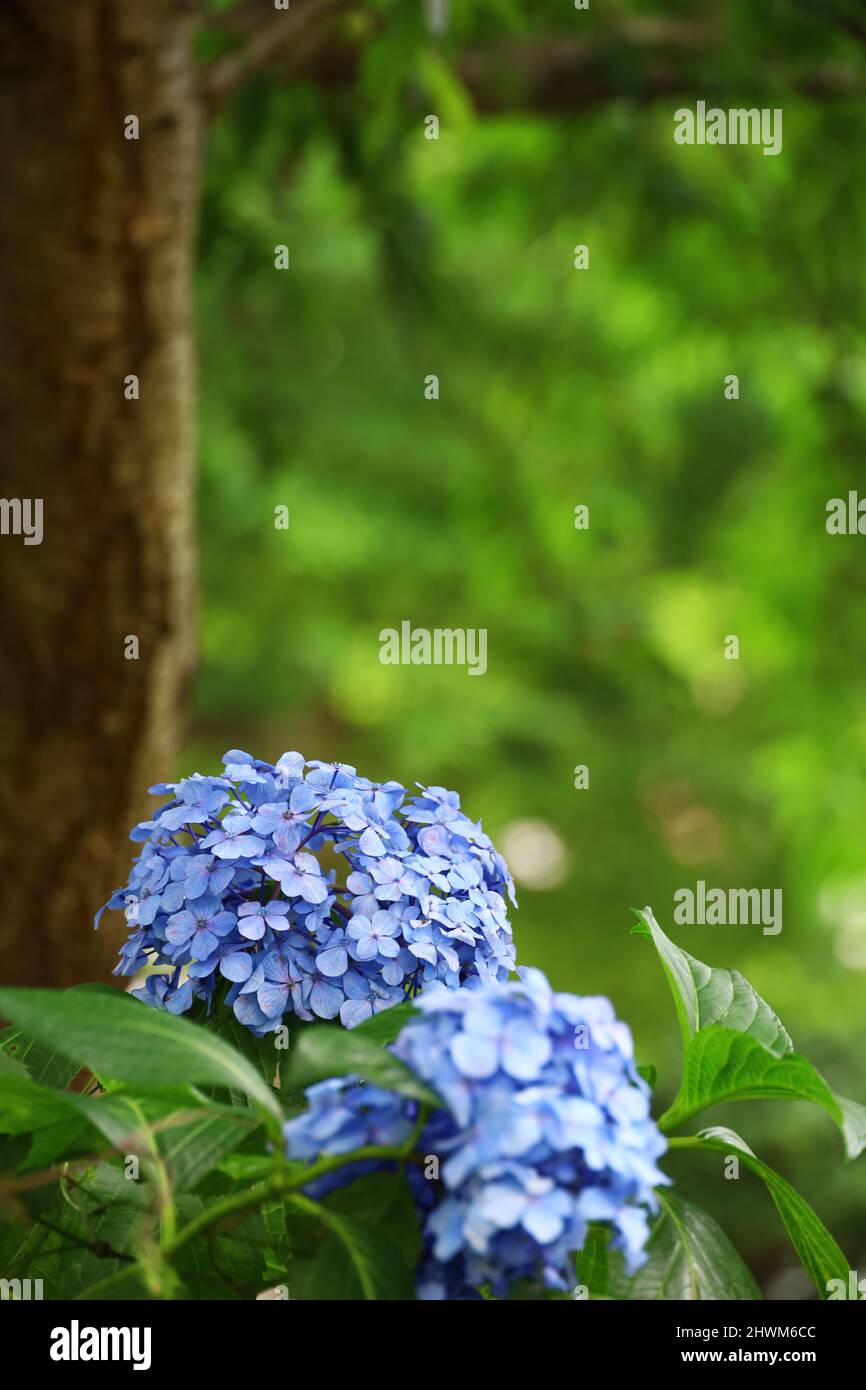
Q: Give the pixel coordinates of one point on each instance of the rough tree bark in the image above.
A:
(96, 235)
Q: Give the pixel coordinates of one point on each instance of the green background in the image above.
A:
(560, 387)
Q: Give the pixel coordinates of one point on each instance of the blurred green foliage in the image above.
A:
(560, 387)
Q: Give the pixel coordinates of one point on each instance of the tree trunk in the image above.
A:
(96, 235)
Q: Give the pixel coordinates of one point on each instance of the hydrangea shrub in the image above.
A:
(466, 1135)
(310, 891)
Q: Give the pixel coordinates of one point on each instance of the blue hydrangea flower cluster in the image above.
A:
(231, 886)
(545, 1127)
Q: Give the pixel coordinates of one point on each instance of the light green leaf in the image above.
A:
(9, 1067)
(118, 1118)
(112, 1033)
(24, 1106)
(44, 1064)
(721, 1065)
(192, 1134)
(323, 1052)
(591, 1262)
(704, 995)
(384, 1027)
(251, 1168)
(449, 98)
(854, 1125)
(715, 1005)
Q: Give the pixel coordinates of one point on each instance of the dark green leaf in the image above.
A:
(356, 1262)
(106, 1211)
(821, 1257)
(689, 1257)
(383, 1201)
(193, 1149)
(228, 1263)
(67, 1138)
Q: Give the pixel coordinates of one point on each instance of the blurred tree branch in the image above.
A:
(297, 40)
(562, 76)
(632, 56)
(846, 18)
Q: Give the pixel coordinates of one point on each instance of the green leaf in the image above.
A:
(118, 1118)
(230, 1263)
(649, 1072)
(354, 1262)
(259, 1052)
(116, 1035)
(704, 995)
(715, 1006)
(193, 1135)
(105, 1208)
(448, 97)
(70, 1137)
(323, 1052)
(384, 1027)
(250, 1168)
(382, 1201)
(24, 1106)
(10, 1067)
(854, 1125)
(721, 1065)
(591, 1263)
(689, 1257)
(277, 1235)
(44, 1064)
(820, 1255)
(194, 1149)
